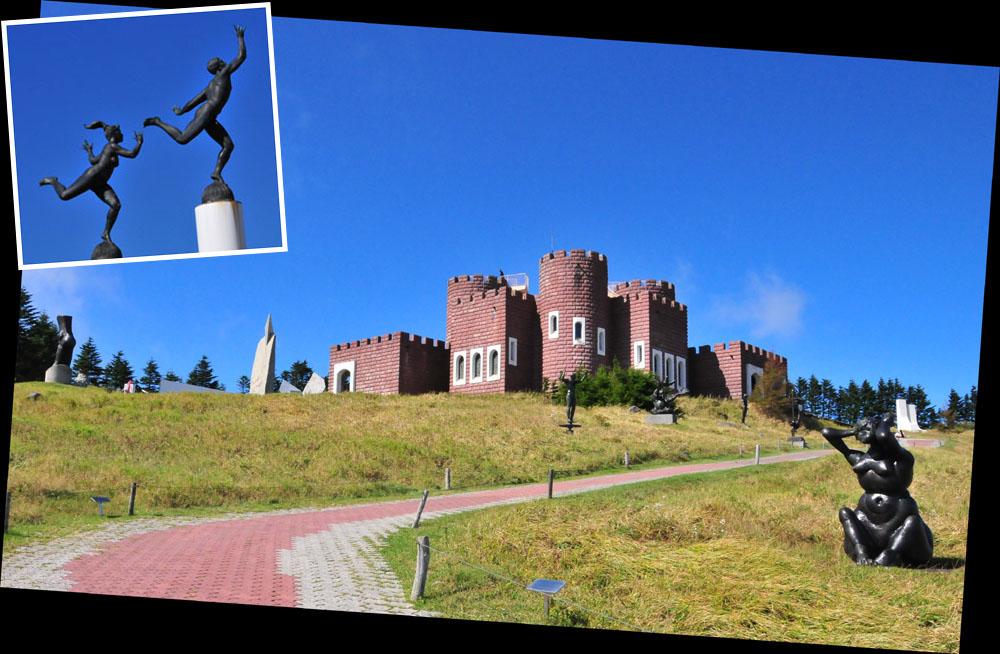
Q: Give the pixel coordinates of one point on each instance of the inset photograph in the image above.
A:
(145, 135)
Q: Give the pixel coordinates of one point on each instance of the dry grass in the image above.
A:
(751, 553)
(192, 453)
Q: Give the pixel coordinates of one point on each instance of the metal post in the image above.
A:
(757, 454)
(423, 562)
(627, 465)
(423, 500)
(131, 500)
(552, 476)
(741, 450)
(447, 478)
(6, 513)
(547, 596)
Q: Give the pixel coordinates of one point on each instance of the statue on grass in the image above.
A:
(663, 403)
(570, 385)
(885, 529)
(212, 99)
(96, 179)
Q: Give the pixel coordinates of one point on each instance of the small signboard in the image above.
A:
(100, 503)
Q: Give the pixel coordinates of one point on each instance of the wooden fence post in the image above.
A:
(423, 561)
(627, 464)
(447, 478)
(423, 500)
(131, 500)
(552, 476)
(6, 513)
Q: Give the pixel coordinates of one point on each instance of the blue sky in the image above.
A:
(832, 209)
(121, 71)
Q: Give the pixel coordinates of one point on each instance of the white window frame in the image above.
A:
(583, 331)
(639, 355)
(474, 379)
(512, 351)
(601, 341)
(339, 368)
(489, 357)
(682, 382)
(751, 371)
(668, 368)
(553, 333)
(455, 380)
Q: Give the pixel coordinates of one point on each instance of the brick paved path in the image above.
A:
(309, 558)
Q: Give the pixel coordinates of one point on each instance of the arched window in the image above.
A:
(477, 365)
(459, 368)
(553, 324)
(494, 363)
(344, 381)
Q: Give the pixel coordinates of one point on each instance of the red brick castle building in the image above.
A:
(501, 338)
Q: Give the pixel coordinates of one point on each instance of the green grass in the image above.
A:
(207, 454)
(752, 553)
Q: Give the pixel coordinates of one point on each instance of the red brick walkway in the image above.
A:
(235, 560)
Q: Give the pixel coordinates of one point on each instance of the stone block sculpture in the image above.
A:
(885, 529)
(262, 377)
(314, 385)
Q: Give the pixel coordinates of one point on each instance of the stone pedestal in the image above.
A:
(220, 226)
(59, 374)
(661, 419)
(106, 250)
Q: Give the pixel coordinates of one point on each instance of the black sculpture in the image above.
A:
(746, 406)
(663, 403)
(570, 385)
(885, 529)
(64, 351)
(212, 99)
(96, 179)
(797, 414)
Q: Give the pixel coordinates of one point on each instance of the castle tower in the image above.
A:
(462, 288)
(573, 312)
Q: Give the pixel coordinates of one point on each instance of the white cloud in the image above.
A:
(769, 306)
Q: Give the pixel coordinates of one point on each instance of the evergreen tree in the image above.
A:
(801, 388)
(866, 396)
(117, 372)
(202, 375)
(298, 376)
(813, 397)
(170, 376)
(151, 377)
(243, 383)
(828, 397)
(37, 340)
(88, 361)
(970, 405)
(852, 403)
(883, 400)
(772, 393)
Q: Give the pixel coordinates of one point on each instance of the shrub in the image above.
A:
(611, 386)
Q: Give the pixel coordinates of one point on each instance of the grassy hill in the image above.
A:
(754, 553)
(205, 452)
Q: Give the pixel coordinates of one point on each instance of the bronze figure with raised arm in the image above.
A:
(885, 529)
(96, 177)
(212, 99)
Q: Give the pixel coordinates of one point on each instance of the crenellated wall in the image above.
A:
(483, 315)
(721, 369)
(393, 363)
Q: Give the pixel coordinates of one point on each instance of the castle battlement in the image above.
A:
(500, 338)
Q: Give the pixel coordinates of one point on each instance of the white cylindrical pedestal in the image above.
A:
(220, 226)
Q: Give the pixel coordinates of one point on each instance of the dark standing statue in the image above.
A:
(570, 385)
(96, 179)
(886, 528)
(64, 351)
(746, 406)
(59, 372)
(212, 99)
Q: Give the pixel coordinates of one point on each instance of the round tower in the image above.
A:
(572, 304)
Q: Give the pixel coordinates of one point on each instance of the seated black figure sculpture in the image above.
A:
(663, 403)
(96, 177)
(885, 529)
